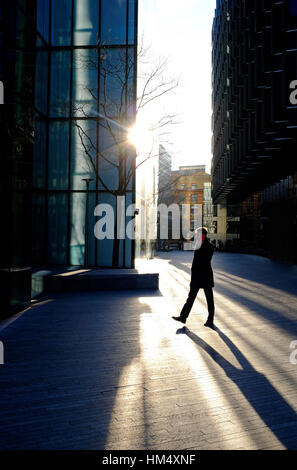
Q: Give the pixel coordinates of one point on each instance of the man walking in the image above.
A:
(202, 277)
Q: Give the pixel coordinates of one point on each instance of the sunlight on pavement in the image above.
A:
(181, 381)
(259, 293)
(127, 422)
(147, 391)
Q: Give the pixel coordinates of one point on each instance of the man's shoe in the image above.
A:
(182, 320)
(209, 325)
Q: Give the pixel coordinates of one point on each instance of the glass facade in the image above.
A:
(85, 102)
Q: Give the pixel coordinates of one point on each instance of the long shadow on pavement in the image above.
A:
(63, 372)
(259, 392)
(242, 297)
(274, 274)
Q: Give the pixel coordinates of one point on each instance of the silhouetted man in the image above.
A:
(202, 277)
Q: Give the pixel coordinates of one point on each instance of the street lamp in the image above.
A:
(87, 180)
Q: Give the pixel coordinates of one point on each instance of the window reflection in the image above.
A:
(43, 18)
(128, 241)
(117, 93)
(39, 154)
(77, 224)
(57, 228)
(86, 22)
(85, 82)
(41, 74)
(112, 83)
(60, 83)
(113, 21)
(61, 22)
(38, 226)
(83, 165)
(109, 138)
(58, 155)
(105, 247)
(131, 22)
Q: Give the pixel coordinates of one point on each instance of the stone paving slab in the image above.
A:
(112, 370)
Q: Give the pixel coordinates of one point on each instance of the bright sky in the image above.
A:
(181, 31)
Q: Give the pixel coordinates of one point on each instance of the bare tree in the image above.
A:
(115, 105)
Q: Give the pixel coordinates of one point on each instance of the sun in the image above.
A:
(134, 135)
(141, 136)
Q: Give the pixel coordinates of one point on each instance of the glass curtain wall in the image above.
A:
(85, 104)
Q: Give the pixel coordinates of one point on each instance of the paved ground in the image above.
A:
(111, 370)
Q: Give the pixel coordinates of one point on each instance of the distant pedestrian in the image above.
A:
(201, 277)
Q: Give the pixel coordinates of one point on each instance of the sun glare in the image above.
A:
(141, 136)
(133, 135)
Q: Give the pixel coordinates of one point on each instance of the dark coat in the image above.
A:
(202, 274)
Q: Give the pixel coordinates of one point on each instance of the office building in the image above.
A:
(255, 119)
(69, 74)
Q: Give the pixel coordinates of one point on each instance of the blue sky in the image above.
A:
(181, 31)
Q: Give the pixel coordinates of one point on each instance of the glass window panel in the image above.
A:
(58, 155)
(92, 221)
(21, 23)
(1, 55)
(130, 158)
(86, 22)
(60, 83)
(57, 228)
(85, 82)
(105, 247)
(38, 227)
(113, 83)
(131, 22)
(41, 79)
(43, 18)
(110, 146)
(83, 153)
(128, 242)
(39, 167)
(77, 241)
(121, 254)
(77, 225)
(131, 86)
(113, 21)
(61, 22)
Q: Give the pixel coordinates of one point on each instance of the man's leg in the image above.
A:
(210, 303)
(189, 303)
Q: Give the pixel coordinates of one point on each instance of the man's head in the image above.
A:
(200, 236)
(202, 231)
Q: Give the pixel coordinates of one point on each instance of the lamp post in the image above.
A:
(87, 181)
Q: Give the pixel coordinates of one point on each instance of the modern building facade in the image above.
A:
(164, 194)
(214, 218)
(164, 176)
(85, 103)
(255, 117)
(69, 73)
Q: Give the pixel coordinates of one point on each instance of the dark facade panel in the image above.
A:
(17, 58)
(254, 122)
